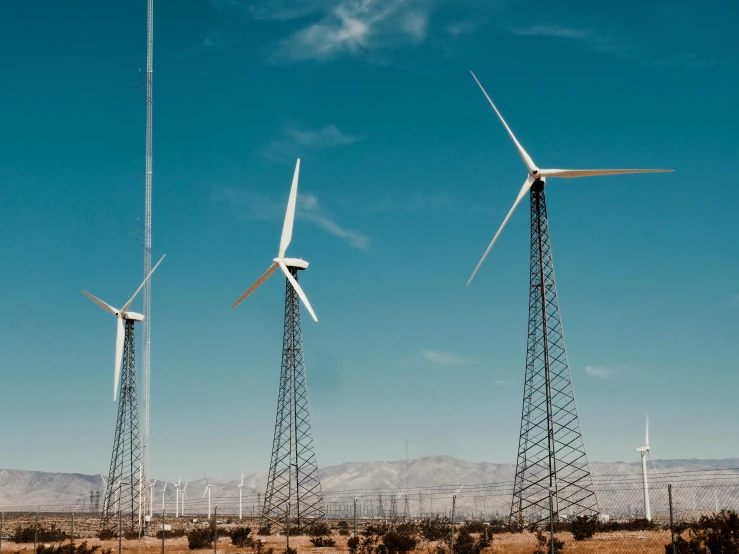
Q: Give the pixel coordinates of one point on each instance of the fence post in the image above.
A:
(72, 535)
(162, 530)
(120, 529)
(451, 542)
(355, 517)
(215, 530)
(672, 523)
(2, 515)
(35, 534)
(551, 522)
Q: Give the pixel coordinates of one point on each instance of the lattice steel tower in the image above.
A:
(293, 486)
(123, 486)
(552, 475)
(551, 451)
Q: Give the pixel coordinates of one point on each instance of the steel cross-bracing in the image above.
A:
(294, 495)
(552, 463)
(123, 490)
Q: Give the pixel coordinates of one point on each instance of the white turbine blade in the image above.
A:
(103, 305)
(572, 173)
(242, 478)
(297, 288)
(205, 492)
(256, 285)
(653, 464)
(646, 442)
(524, 155)
(287, 228)
(206, 479)
(119, 339)
(124, 309)
(524, 189)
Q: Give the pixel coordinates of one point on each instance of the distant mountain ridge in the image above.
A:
(28, 488)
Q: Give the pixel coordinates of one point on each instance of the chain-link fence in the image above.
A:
(466, 519)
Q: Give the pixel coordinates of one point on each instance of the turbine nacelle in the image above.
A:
(297, 263)
(132, 316)
(643, 449)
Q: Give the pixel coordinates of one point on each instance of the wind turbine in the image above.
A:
(177, 497)
(207, 491)
(281, 261)
(121, 315)
(645, 451)
(151, 497)
(539, 176)
(182, 512)
(293, 414)
(164, 489)
(241, 487)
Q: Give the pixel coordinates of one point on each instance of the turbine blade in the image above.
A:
(572, 173)
(287, 228)
(297, 288)
(524, 155)
(524, 189)
(256, 285)
(124, 309)
(653, 464)
(205, 492)
(119, 339)
(103, 305)
(242, 478)
(646, 442)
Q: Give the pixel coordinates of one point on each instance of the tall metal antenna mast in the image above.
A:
(147, 233)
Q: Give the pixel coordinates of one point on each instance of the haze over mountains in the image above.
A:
(27, 488)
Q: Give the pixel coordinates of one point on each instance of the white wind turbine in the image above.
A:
(281, 261)
(182, 512)
(535, 174)
(164, 490)
(644, 451)
(177, 497)
(151, 497)
(120, 315)
(207, 491)
(241, 488)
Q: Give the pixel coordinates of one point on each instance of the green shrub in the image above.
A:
(317, 529)
(258, 548)
(715, 534)
(353, 544)
(27, 534)
(200, 538)
(399, 541)
(263, 531)
(584, 527)
(544, 546)
(322, 541)
(473, 527)
(106, 534)
(435, 529)
(241, 537)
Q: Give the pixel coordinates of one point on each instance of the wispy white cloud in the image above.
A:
(294, 141)
(614, 46)
(214, 39)
(599, 371)
(446, 358)
(255, 206)
(276, 10)
(359, 28)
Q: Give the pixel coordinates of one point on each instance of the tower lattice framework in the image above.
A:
(552, 475)
(123, 489)
(294, 486)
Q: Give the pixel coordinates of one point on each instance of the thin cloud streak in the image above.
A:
(295, 141)
(446, 358)
(600, 372)
(257, 207)
(598, 41)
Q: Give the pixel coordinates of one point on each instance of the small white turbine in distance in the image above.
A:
(241, 488)
(281, 261)
(644, 451)
(207, 491)
(151, 497)
(177, 497)
(120, 315)
(540, 175)
(182, 512)
(164, 490)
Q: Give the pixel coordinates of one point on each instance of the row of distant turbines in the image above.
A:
(552, 473)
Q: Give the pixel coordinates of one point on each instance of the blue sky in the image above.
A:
(406, 174)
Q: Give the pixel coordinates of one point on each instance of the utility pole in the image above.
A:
(215, 530)
(451, 541)
(35, 534)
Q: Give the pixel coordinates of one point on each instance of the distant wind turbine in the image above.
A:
(645, 451)
(207, 491)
